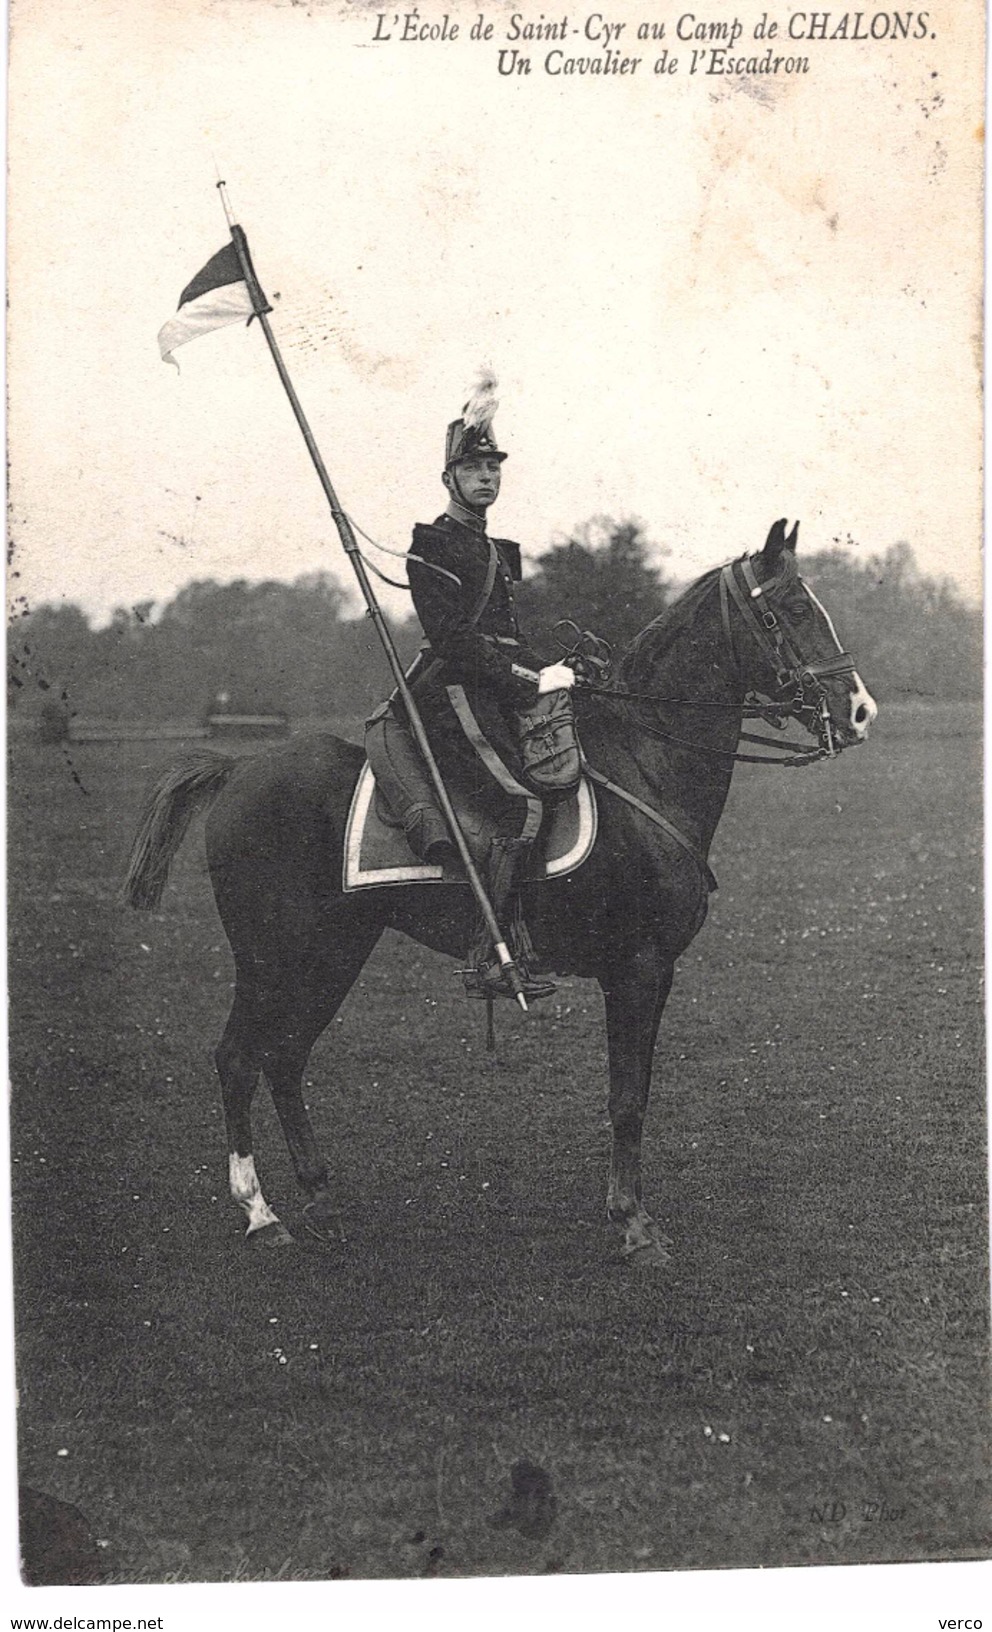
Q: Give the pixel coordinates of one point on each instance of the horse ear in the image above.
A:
(777, 541)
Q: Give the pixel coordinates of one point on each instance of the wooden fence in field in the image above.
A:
(223, 727)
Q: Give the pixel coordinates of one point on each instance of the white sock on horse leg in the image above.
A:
(247, 1192)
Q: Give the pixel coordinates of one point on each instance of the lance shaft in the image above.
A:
(350, 544)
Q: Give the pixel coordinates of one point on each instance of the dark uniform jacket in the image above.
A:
(471, 681)
(447, 568)
(475, 677)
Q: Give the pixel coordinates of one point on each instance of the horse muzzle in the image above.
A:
(848, 716)
(833, 702)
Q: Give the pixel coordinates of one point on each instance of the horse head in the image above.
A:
(787, 646)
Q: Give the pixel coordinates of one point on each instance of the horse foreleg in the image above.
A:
(635, 993)
(238, 1069)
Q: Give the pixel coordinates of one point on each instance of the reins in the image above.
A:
(791, 755)
(777, 641)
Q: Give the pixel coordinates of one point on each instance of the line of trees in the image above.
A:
(296, 647)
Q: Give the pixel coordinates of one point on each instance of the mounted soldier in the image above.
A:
(499, 718)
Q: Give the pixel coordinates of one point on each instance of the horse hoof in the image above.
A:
(322, 1222)
(645, 1245)
(270, 1235)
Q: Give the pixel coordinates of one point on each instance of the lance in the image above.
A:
(261, 308)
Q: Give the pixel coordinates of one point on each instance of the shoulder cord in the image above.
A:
(402, 555)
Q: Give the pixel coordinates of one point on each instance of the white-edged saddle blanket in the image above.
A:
(376, 852)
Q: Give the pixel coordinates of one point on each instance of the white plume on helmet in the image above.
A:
(483, 402)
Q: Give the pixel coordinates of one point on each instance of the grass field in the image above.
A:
(806, 1381)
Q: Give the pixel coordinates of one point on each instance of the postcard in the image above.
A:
(558, 1149)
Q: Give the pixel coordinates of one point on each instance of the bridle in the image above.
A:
(799, 692)
(776, 638)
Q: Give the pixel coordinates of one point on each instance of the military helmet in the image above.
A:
(472, 436)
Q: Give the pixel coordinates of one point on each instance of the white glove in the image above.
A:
(556, 677)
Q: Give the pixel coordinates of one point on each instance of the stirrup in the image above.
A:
(488, 981)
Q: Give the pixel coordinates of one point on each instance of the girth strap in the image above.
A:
(656, 817)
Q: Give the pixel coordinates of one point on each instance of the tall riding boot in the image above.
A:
(485, 978)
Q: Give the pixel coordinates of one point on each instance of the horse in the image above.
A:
(660, 740)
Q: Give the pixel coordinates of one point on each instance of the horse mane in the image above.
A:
(664, 630)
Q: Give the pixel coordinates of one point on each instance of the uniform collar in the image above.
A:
(465, 518)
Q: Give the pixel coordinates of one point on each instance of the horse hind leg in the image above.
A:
(306, 1015)
(238, 1066)
(284, 1073)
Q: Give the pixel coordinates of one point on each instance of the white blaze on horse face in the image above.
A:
(863, 705)
(247, 1192)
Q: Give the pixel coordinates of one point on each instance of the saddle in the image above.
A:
(376, 852)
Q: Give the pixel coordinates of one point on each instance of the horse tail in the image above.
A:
(188, 786)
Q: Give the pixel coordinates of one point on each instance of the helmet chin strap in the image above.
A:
(472, 512)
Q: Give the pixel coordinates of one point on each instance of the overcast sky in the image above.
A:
(710, 303)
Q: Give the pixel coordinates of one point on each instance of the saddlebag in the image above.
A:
(549, 744)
